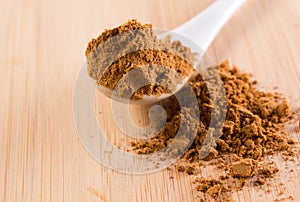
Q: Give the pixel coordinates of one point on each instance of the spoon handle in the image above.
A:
(204, 27)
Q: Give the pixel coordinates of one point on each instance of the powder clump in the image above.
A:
(244, 168)
(211, 187)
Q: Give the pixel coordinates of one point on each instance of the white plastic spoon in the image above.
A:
(201, 30)
(204, 27)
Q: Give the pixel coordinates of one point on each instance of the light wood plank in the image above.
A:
(42, 47)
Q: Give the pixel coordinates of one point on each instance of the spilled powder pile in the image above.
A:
(133, 45)
(254, 121)
(253, 128)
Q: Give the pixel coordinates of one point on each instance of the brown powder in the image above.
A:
(254, 123)
(244, 168)
(254, 127)
(131, 46)
(266, 170)
(211, 187)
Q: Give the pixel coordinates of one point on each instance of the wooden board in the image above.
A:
(42, 46)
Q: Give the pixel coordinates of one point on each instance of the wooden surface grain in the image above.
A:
(42, 47)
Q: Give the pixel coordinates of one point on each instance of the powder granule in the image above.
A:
(211, 187)
(265, 170)
(244, 168)
(283, 109)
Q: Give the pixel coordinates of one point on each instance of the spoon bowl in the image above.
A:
(197, 34)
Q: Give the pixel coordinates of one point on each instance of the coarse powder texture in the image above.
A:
(134, 45)
(253, 128)
(265, 171)
(211, 187)
(254, 121)
(244, 168)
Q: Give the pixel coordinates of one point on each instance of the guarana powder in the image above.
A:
(254, 124)
(253, 128)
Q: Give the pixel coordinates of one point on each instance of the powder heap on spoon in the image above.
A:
(132, 45)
